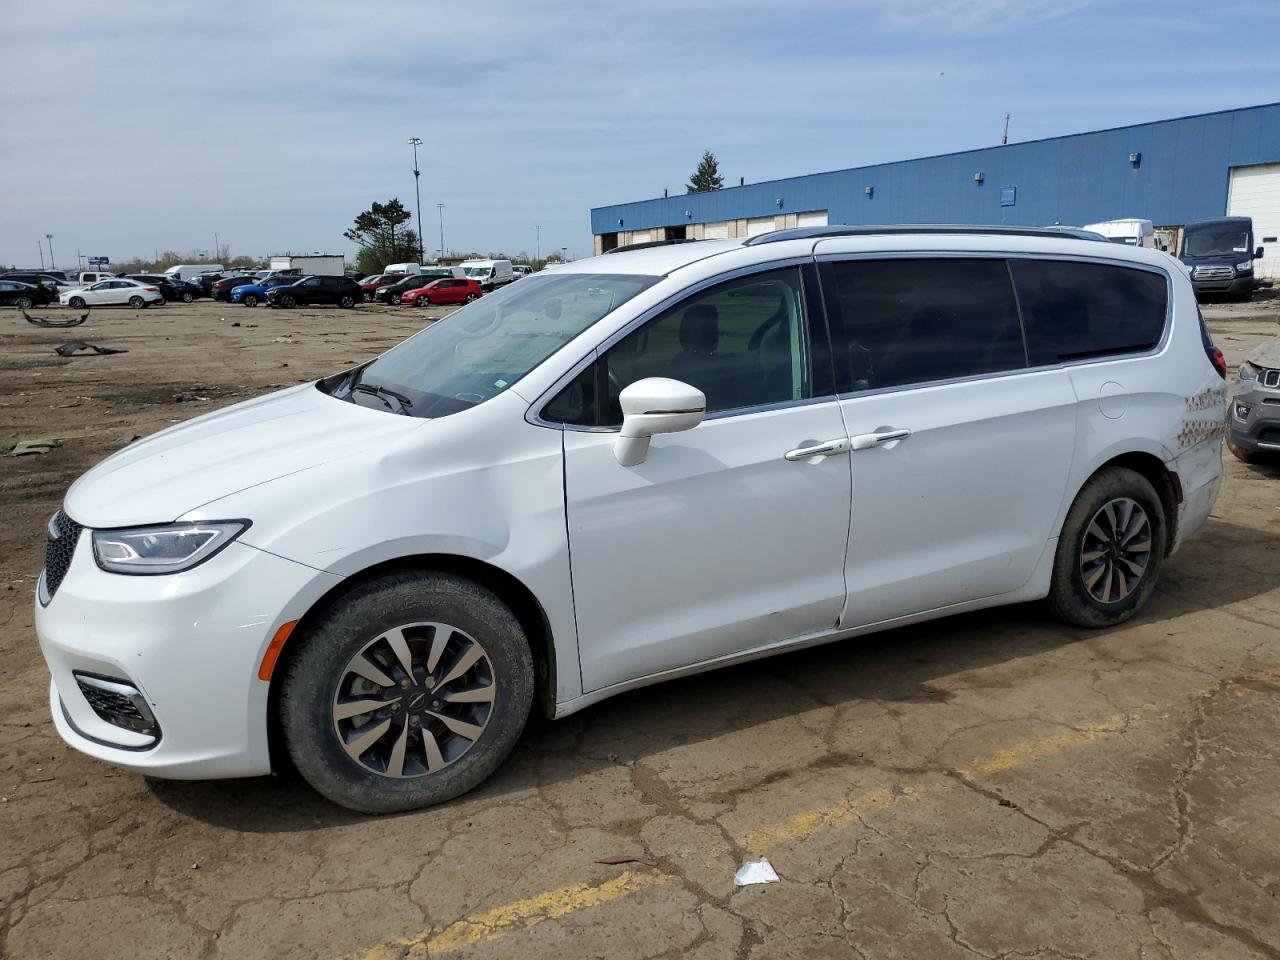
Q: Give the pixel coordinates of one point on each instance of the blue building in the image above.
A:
(1170, 172)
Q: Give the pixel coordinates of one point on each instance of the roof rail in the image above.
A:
(648, 243)
(837, 230)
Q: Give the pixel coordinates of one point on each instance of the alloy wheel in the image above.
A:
(414, 700)
(1115, 550)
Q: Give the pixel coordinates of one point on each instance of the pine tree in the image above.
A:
(707, 177)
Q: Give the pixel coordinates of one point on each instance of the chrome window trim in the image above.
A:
(534, 414)
(1159, 348)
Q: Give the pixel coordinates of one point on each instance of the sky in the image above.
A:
(145, 126)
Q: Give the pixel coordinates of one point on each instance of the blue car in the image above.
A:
(252, 294)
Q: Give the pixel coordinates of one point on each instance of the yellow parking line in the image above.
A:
(552, 904)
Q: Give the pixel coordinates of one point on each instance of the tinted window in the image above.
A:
(913, 321)
(742, 343)
(1077, 310)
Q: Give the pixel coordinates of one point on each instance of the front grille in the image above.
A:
(118, 703)
(1214, 273)
(64, 534)
(1269, 378)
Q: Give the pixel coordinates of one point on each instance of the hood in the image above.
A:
(1266, 354)
(161, 477)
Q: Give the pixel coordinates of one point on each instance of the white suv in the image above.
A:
(633, 467)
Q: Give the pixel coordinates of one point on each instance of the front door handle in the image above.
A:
(865, 441)
(831, 447)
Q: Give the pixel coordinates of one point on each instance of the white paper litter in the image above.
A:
(755, 871)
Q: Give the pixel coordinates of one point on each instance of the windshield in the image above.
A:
(479, 351)
(479, 271)
(1217, 242)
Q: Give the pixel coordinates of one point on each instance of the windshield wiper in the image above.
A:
(385, 394)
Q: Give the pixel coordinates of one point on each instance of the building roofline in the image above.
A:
(955, 153)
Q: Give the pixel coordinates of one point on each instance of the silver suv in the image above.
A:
(1255, 406)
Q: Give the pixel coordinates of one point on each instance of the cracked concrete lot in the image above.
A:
(993, 785)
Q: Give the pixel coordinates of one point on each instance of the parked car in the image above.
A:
(189, 271)
(221, 289)
(252, 294)
(24, 295)
(369, 285)
(490, 274)
(205, 282)
(519, 270)
(172, 290)
(1220, 254)
(113, 292)
(444, 290)
(393, 291)
(1255, 405)
(53, 284)
(87, 277)
(741, 460)
(311, 291)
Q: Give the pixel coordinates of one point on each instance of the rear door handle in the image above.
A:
(830, 448)
(865, 441)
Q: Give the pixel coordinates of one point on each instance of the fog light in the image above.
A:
(1242, 411)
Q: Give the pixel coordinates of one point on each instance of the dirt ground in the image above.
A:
(992, 785)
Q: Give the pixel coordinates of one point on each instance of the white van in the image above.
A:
(403, 268)
(87, 277)
(747, 446)
(188, 271)
(490, 274)
(1135, 233)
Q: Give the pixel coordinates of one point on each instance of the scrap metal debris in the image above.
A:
(28, 447)
(755, 871)
(82, 348)
(61, 322)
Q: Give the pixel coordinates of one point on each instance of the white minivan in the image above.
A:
(630, 468)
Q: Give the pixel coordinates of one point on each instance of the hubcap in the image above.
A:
(1115, 550)
(414, 700)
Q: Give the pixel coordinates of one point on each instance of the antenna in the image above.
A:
(1005, 139)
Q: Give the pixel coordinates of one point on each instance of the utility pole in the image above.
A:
(1005, 139)
(41, 246)
(52, 264)
(440, 210)
(217, 249)
(417, 142)
(564, 254)
(539, 256)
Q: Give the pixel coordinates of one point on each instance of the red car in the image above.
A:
(369, 285)
(444, 290)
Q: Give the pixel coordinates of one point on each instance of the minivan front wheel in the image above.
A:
(1110, 551)
(408, 691)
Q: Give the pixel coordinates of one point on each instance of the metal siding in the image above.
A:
(1075, 179)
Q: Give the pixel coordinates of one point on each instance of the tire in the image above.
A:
(346, 303)
(421, 302)
(249, 299)
(318, 679)
(288, 301)
(187, 297)
(26, 303)
(1093, 582)
(472, 297)
(137, 303)
(76, 303)
(395, 300)
(368, 298)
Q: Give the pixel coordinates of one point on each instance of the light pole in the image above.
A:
(41, 247)
(440, 210)
(539, 249)
(416, 142)
(564, 254)
(52, 264)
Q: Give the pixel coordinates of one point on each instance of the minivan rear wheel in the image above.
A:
(1110, 551)
(408, 691)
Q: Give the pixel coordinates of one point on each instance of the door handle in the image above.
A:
(827, 449)
(865, 441)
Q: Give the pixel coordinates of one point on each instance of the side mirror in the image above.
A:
(655, 405)
(1257, 254)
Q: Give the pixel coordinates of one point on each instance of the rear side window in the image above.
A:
(1074, 311)
(918, 320)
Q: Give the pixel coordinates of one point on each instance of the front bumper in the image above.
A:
(191, 644)
(1260, 430)
(1234, 286)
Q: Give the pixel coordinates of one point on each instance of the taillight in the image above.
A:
(1219, 362)
(157, 290)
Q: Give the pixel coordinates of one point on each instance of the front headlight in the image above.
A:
(1249, 371)
(1246, 267)
(170, 548)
